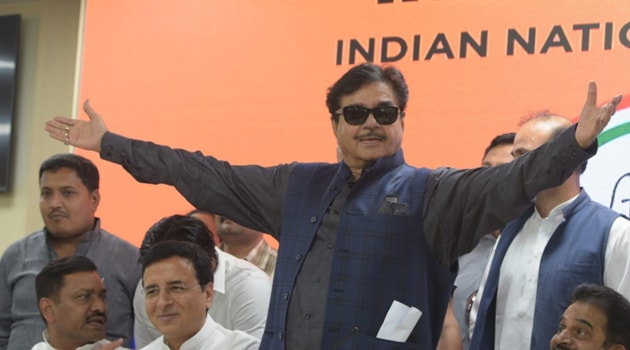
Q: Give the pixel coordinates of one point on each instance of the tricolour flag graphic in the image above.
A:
(607, 177)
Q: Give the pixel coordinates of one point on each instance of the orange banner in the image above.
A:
(246, 81)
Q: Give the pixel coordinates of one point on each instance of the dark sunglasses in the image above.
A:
(356, 115)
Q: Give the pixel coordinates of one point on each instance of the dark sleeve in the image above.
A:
(463, 205)
(250, 195)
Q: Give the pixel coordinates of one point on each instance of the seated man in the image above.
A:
(241, 290)
(69, 197)
(177, 280)
(71, 298)
(598, 318)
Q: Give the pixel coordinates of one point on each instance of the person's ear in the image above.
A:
(617, 347)
(334, 123)
(95, 199)
(47, 308)
(209, 291)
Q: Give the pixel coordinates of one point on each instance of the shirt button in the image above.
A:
(336, 211)
(313, 219)
(307, 316)
(298, 257)
(316, 279)
(331, 245)
(281, 335)
(286, 296)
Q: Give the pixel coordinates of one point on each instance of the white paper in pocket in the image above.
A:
(399, 322)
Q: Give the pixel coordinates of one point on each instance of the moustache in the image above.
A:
(370, 135)
(56, 212)
(98, 315)
(560, 347)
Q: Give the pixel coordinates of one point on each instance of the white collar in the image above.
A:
(197, 340)
(557, 211)
(83, 347)
(220, 272)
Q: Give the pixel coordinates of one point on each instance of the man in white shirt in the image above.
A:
(241, 290)
(564, 240)
(177, 281)
(71, 297)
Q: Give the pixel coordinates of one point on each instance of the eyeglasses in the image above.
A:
(357, 115)
(174, 290)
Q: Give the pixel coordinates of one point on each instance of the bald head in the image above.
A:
(537, 130)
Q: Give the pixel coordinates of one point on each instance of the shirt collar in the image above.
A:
(220, 272)
(83, 347)
(255, 251)
(381, 165)
(559, 210)
(87, 240)
(202, 336)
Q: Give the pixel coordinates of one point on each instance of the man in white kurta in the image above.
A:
(520, 266)
(178, 291)
(240, 300)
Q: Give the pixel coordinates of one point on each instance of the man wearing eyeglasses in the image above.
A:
(177, 280)
(358, 235)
